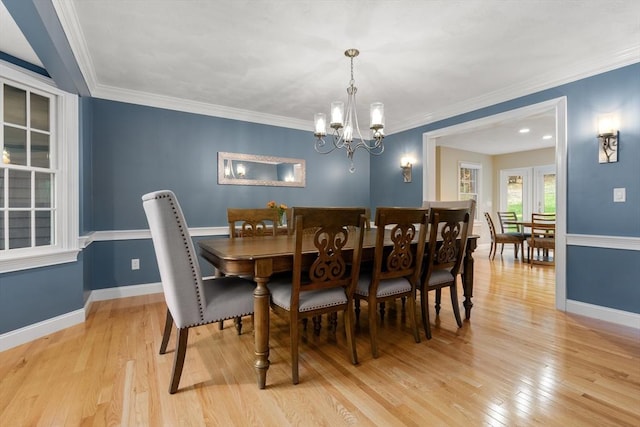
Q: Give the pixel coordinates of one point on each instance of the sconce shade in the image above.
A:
(608, 139)
(406, 164)
(607, 126)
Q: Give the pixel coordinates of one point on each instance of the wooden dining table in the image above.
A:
(264, 256)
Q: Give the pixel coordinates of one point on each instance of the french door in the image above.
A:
(527, 190)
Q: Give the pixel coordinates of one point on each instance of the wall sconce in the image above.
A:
(406, 164)
(240, 170)
(608, 139)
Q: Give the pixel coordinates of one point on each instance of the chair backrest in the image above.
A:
(405, 257)
(177, 258)
(469, 204)
(448, 230)
(543, 225)
(492, 228)
(253, 222)
(330, 255)
(291, 226)
(505, 217)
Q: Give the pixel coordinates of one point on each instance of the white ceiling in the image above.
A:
(279, 62)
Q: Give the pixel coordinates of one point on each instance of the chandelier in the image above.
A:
(346, 131)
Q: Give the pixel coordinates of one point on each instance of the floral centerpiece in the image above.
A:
(281, 209)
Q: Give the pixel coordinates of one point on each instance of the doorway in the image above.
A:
(559, 107)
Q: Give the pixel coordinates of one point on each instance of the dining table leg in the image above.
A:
(263, 270)
(467, 276)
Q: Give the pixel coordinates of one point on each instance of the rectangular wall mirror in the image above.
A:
(251, 169)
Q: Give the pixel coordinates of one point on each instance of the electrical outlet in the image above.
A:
(135, 264)
(620, 195)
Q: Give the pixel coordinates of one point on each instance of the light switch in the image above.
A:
(619, 194)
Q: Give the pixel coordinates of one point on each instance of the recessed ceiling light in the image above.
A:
(547, 137)
(524, 130)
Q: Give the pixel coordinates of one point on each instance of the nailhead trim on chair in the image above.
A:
(191, 263)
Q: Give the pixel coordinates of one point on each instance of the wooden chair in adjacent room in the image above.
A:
(396, 270)
(324, 280)
(448, 230)
(503, 239)
(191, 301)
(542, 239)
(508, 225)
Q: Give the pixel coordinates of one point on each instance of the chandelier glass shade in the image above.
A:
(346, 132)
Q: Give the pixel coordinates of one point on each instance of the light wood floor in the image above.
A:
(517, 362)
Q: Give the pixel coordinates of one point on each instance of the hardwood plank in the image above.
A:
(517, 362)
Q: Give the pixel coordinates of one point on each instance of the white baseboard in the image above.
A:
(607, 314)
(58, 323)
(40, 329)
(125, 291)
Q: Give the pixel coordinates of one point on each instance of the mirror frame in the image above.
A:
(223, 179)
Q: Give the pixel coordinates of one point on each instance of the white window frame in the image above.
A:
(66, 191)
(527, 179)
(478, 167)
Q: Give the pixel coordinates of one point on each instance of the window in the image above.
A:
(469, 182)
(38, 172)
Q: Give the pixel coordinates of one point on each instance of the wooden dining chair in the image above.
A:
(508, 225)
(396, 270)
(542, 238)
(290, 226)
(503, 238)
(326, 266)
(317, 320)
(191, 301)
(252, 222)
(448, 230)
(249, 222)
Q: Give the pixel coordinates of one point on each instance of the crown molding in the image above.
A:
(197, 107)
(575, 72)
(70, 23)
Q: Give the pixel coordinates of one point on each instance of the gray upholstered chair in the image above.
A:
(448, 229)
(324, 273)
(191, 301)
(396, 270)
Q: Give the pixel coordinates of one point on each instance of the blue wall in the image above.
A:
(138, 149)
(32, 296)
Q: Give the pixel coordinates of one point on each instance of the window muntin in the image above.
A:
(44, 125)
(469, 175)
(26, 168)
